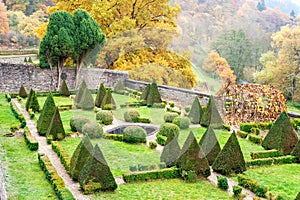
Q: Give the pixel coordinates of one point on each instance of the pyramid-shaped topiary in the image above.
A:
(56, 130)
(210, 145)
(119, 87)
(170, 153)
(31, 91)
(154, 95)
(298, 196)
(192, 158)
(64, 90)
(22, 92)
(211, 116)
(230, 159)
(79, 94)
(87, 101)
(108, 100)
(281, 136)
(196, 112)
(34, 103)
(296, 151)
(46, 115)
(100, 95)
(145, 92)
(80, 156)
(96, 174)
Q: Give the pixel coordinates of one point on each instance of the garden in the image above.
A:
(162, 151)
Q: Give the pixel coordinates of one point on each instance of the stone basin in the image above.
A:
(120, 129)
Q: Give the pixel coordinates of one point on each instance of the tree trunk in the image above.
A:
(59, 72)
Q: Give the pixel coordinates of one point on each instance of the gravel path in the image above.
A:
(2, 184)
(47, 150)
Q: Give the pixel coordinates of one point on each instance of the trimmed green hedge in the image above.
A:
(17, 114)
(182, 122)
(247, 126)
(134, 134)
(265, 154)
(174, 111)
(169, 117)
(252, 185)
(104, 117)
(242, 134)
(160, 139)
(117, 137)
(255, 139)
(56, 181)
(31, 142)
(168, 173)
(62, 154)
(272, 161)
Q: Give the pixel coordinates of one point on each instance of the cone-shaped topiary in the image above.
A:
(170, 153)
(100, 95)
(192, 158)
(210, 145)
(154, 95)
(87, 101)
(31, 91)
(34, 103)
(281, 136)
(119, 87)
(22, 92)
(96, 174)
(46, 115)
(30, 60)
(296, 151)
(56, 130)
(145, 92)
(79, 94)
(298, 196)
(80, 156)
(211, 116)
(230, 159)
(25, 60)
(108, 100)
(196, 112)
(64, 90)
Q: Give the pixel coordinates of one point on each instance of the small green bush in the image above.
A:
(131, 116)
(77, 122)
(31, 142)
(152, 145)
(169, 117)
(104, 117)
(265, 125)
(265, 154)
(248, 183)
(134, 134)
(8, 97)
(237, 191)
(248, 126)
(93, 130)
(144, 120)
(255, 139)
(182, 122)
(222, 183)
(109, 107)
(62, 154)
(242, 134)
(116, 137)
(187, 109)
(189, 175)
(175, 111)
(168, 130)
(172, 104)
(14, 128)
(226, 127)
(34, 103)
(259, 162)
(255, 131)
(160, 139)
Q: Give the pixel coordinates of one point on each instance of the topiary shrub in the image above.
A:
(134, 134)
(196, 111)
(31, 91)
(170, 153)
(95, 174)
(222, 183)
(230, 159)
(77, 122)
(79, 94)
(34, 103)
(281, 136)
(22, 92)
(296, 151)
(210, 145)
(46, 115)
(109, 107)
(169, 117)
(237, 191)
(298, 196)
(104, 117)
(87, 101)
(182, 122)
(30, 60)
(192, 158)
(152, 145)
(64, 90)
(80, 156)
(100, 95)
(248, 126)
(108, 100)
(92, 129)
(145, 92)
(211, 116)
(154, 95)
(168, 130)
(119, 87)
(131, 116)
(56, 130)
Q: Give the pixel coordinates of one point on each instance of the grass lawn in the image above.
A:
(293, 108)
(281, 180)
(23, 176)
(166, 189)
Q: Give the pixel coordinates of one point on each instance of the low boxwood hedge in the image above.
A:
(31, 142)
(62, 154)
(265, 154)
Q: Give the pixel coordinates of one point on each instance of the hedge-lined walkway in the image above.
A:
(47, 150)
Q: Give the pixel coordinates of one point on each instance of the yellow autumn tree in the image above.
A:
(218, 66)
(4, 27)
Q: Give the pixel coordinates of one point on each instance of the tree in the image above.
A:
(46, 115)
(31, 91)
(269, 69)
(192, 158)
(235, 47)
(230, 159)
(87, 36)
(58, 43)
(261, 5)
(108, 100)
(4, 23)
(196, 111)
(100, 95)
(281, 136)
